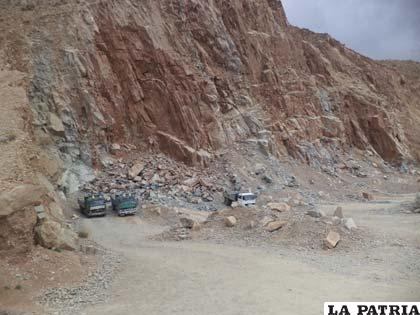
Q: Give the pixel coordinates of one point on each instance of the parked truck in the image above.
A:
(93, 205)
(244, 199)
(125, 204)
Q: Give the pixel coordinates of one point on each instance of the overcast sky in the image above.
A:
(381, 29)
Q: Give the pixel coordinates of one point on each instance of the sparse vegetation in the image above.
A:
(18, 287)
(6, 287)
(58, 250)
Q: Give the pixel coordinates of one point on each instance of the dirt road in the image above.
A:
(193, 277)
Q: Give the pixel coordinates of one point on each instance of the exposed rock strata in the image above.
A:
(191, 77)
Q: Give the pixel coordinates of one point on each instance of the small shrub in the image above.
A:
(18, 287)
(58, 250)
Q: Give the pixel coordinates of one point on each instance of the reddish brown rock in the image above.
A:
(184, 79)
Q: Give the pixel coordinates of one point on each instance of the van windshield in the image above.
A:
(248, 197)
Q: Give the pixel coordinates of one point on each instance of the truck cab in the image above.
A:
(93, 205)
(247, 199)
(125, 204)
(244, 199)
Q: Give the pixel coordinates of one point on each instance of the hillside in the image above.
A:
(178, 100)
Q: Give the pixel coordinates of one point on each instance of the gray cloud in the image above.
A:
(381, 29)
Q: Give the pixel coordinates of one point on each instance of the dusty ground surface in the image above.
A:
(22, 279)
(239, 270)
(248, 269)
(205, 277)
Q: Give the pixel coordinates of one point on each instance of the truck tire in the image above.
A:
(228, 202)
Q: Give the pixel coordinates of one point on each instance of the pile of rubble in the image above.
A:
(159, 179)
(92, 290)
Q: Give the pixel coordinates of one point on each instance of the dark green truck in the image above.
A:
(93, 205)
(125, 204)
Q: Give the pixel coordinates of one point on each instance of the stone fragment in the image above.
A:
(264, 221)
(259, 169)
(191, 182)
(349, 224)
(235, 204)
(187, 223)
(230, 221)
(267, 179)
(367, 196)
(279, 206)
(40, 212)
(135, 170)
(56, 125)
(115, 148)
(332, 240)
(51, 234)
(316, 213)
(275, 225)
(336, 221)
(338, 212)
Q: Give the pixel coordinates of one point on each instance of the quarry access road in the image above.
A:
(192, 277)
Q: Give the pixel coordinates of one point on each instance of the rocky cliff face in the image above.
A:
(189, 78)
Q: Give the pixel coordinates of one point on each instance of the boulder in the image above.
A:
(51, 234)
(259, 169)
(367, 196)
(16, 231)
(349, 224)
(56, 211)
(230, 221)
(56, 125)
(191, 182)
(18, 217)
(40, 212)
(338, 213)
(235, 204)
(336, 220)
(115, 148)
(332, 240)
(264, 221)
(275, 225)
(20, 197)
(187, 223)
(316, 213)
(267, 179)
(135, 170)
(279, 206)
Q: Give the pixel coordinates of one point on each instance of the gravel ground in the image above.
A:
(94, 290)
